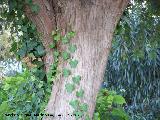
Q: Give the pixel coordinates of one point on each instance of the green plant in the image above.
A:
(23, 94)
(109, 106)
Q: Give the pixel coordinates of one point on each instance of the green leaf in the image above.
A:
(35, 8)
(110, 99)
(69, 87)
(73, 63)
(80, 93)
(78, 114)
(65, 55)
(4, 107)
(56, 53)
(24, 28)
(52, 45)
(40, 49)
(22, 51)
(84, 107)
(40, 84)
(88, 118)
(118, 99)
(74, 104)
(57, 37)
(76, 79)
(96, 116)
(72, 48)
(28, 1)
(66, 72)
(65, 40)
(120, 113)
(71, 34)
(31, 45)
(13, 47)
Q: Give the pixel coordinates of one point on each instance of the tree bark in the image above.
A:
(94, 22)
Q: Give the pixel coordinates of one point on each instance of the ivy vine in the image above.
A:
(80, 109)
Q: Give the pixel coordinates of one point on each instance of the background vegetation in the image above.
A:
(132, 70)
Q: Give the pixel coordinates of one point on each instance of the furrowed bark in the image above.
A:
(94, 22)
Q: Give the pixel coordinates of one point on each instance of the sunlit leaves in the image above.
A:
(56, 53)
(65, 40)
(74, 104)
(119, 99)
(80, 93)
(72, 48)
(57, 36)
(96, 116)
(71, 34)
(73, 63)
(69, 87)
(66, 72)
(88, 118)
(76, 79)
(52, 45)
(65, 55)
(84, 107)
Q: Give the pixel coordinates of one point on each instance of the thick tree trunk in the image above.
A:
(94, 22)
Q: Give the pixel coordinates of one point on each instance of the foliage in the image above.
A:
(109, 106)
(29, 94)
(5, 47)
(23, 94)
(134, 62)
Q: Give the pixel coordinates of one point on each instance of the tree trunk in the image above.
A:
(94, 22)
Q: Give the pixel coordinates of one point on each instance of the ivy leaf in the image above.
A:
(71, 34)
(78, 114)
(69, 87)
(40, 50)
(76, 79)
(31, 45)
(40, 84)
(80, 93)
(74, 104)
(52, 45)
(40, 74)
(24, 28)
(72, 48)
(13, 47)
(96, 116)
(84, 107)
(65, 55)
(56, 53)
(119, 99)
(88, 118)
(120, 113)
(35, 8)
(22, 51)
(73, 63)
(65, 40)
(110, 99)
(57, 37)
(66, 72)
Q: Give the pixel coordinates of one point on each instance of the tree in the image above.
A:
(94, 23)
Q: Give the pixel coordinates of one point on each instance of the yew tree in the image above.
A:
(93, 22)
